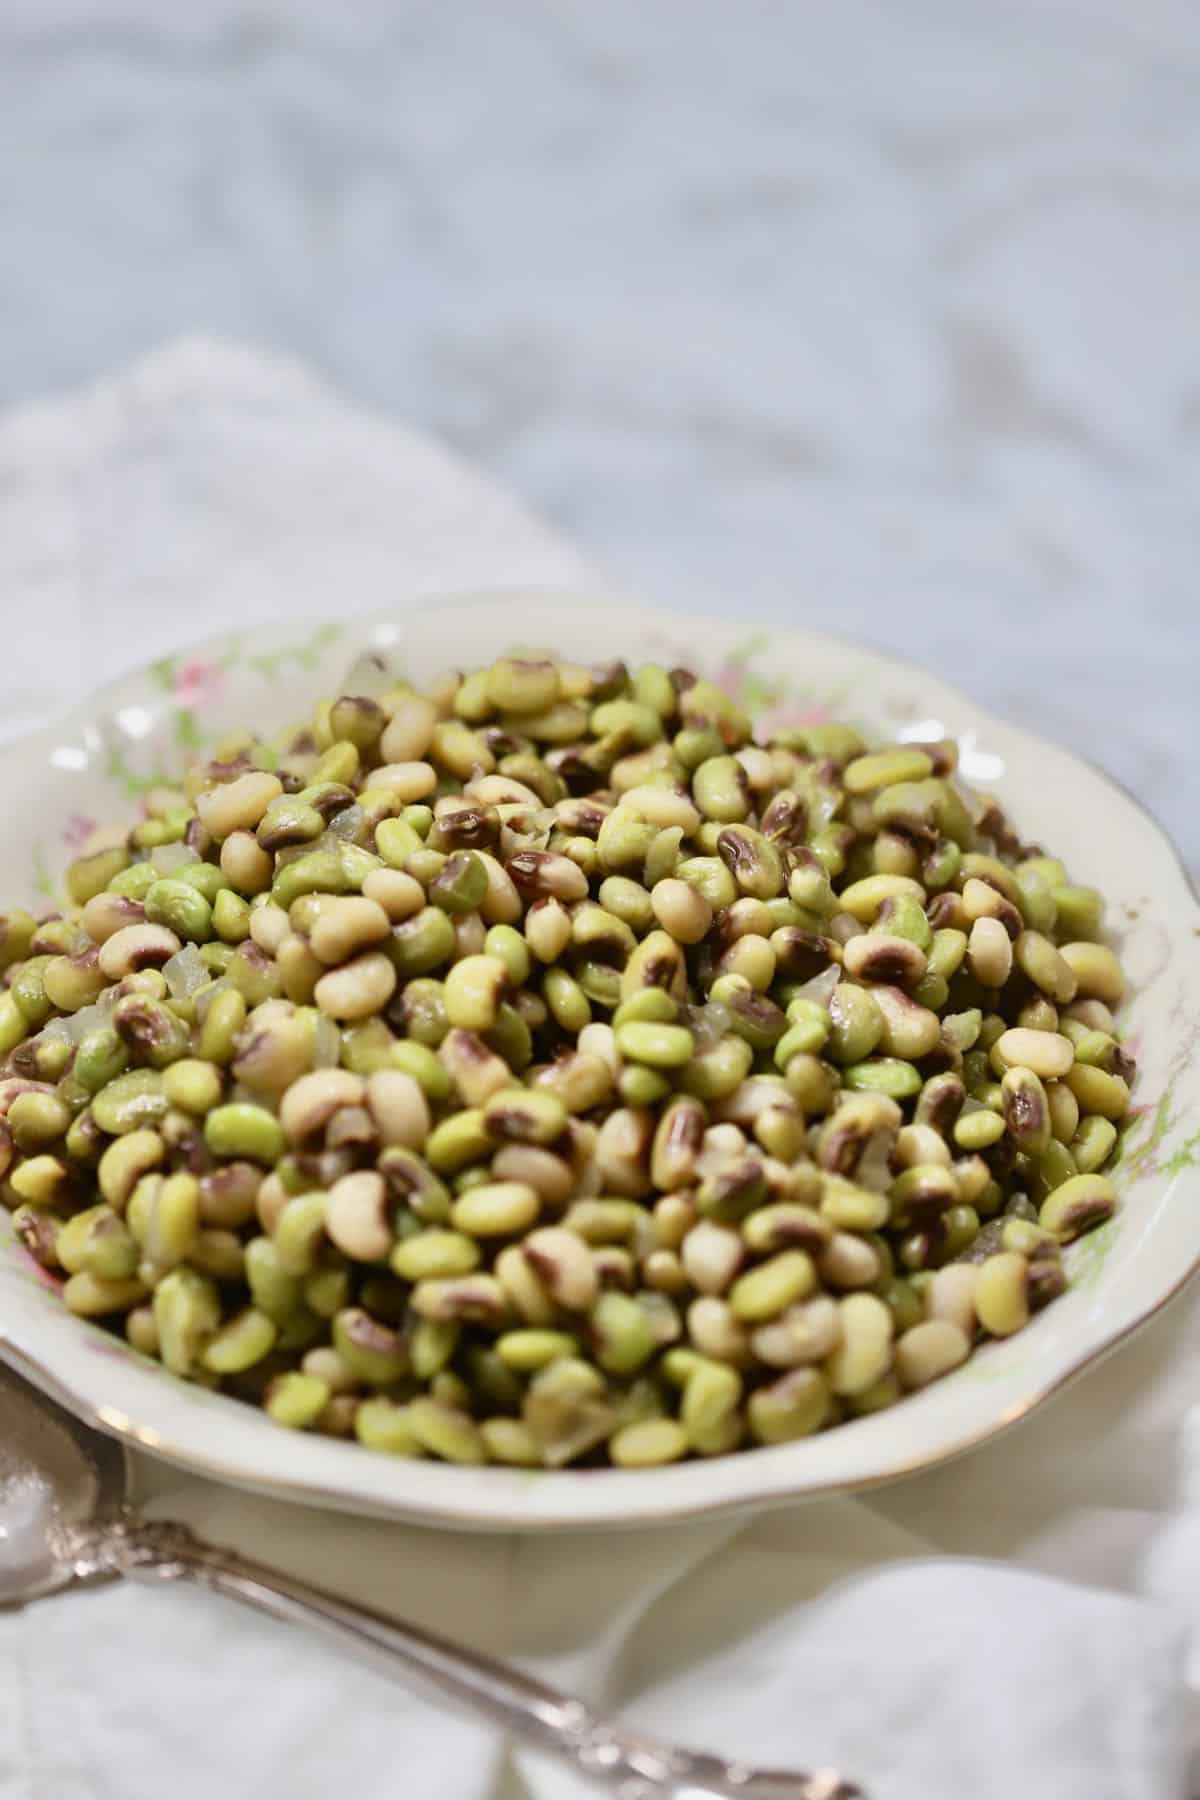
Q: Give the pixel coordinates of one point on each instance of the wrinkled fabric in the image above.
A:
(1022, 1622)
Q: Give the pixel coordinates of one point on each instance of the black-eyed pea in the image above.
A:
(401, 896)
(358, 989)
(648, 1443)
(136, 947)
(712, 1394)
(91, 1296)
(1001, 1296)
(445, 1431)
(496, 1209)
(1093, 1144)
(1064, 1111)
(238, 805)
(864, 1353)
(863, 899)
(106, 914)
(856, 1024)
(877, 1398)
(187, 1314)
(398, 1106)
(882, 956)
(310, 1103)
(1096, 970)
(348, 924)
(357, 1216)
(543, 1170)
(246, 866)
(1047, 1054)
(973, 1179)
(930, 1350)
(849, 1207)
(794, 1406)
(712, 1255)
(681, 910)
(580, 1081)
(849, 1261)
(1026, 1111)
(564, 1267)
(806, 1333)
(1079, 1204)
(910, 1031)
(918, 1144)
(409, 732)
(715, 1332)
(989, 952)
(1098, 1092)
(950, 1296)
(548, 929)
(1092, 1014)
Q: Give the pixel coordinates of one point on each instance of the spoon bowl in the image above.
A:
(57, 1478)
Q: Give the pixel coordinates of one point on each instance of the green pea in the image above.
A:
(240, 1129)
(28, 990)
(380, 1424)
(135, 882)
(713, 1074)
(883, 1075)
(17, 931)
(460, 884)
(396, 840)
(206, 878)
(419, 1061)
(241, 1343)
(187, 1314)
(297, 1400)
(510, 948)
(856, 1024)
(100, 1242)
(273, 1290)
(628, 901)
(88, 876)
(461, 1139)
(649, 1005)
(640, 1085)
(622, 1335)
(661, 1046)
(181, 908)
(423, 943)
(1079, 912)
(316, 872)
(569, 1005)
(230, 917)
(130, 1102)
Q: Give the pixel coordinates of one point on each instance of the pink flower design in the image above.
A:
(197, 683)
(77, 830)
(789, 714)
(730, 677)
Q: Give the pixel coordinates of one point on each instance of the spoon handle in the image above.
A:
(636, 1767)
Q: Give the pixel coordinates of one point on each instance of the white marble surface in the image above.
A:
(880, 316)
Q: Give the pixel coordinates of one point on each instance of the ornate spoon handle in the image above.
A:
(634, 1767)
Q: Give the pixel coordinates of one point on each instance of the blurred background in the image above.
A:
(879, 318)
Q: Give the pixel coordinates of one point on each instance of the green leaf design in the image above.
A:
(187, 731)
(43, 881)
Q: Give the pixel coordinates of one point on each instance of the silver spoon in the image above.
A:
(67, 1520)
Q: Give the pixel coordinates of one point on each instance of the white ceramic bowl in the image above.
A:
(91, 768)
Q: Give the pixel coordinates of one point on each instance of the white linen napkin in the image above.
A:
(1022, 1623)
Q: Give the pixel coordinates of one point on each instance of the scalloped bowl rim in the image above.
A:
(219, 1438)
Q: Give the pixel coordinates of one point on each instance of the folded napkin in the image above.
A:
(1021, 1625)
